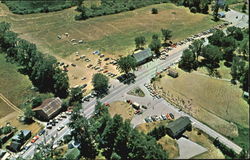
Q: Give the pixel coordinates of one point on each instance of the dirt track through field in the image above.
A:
(10, 104)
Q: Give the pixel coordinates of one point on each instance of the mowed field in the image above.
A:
(213, 101)
(113, 35)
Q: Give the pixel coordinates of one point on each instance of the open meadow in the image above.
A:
(113, 35)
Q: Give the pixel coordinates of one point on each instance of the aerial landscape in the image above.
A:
(124, 79)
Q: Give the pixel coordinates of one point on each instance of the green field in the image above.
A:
(14, 86)
(113, 34)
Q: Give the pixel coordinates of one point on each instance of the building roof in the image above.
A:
(15, 146)
(172, 73)
(25, 133)
(2, 153)
(142, 55)
(49, 106)
(72, 154)
(177, 126)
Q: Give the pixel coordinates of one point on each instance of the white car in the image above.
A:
(60, 128)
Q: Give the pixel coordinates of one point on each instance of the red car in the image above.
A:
(34, 139)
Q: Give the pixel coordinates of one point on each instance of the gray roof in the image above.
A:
(178, 125)
(49, 106)
(25, 133)
(15, 146)
(142, 55)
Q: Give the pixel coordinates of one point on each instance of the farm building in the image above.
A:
(49, 108)
(172, 73)
(26, 136)
(142, 57)
(179, 126)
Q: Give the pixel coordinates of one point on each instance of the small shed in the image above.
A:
(49, 108)
(72, 154)
(176, 128)
(26, 135)
(15, 146)
(143, 56)
(173, 73)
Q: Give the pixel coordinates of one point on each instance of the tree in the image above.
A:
(167, 34)
(81, 132)
(140, 42)
(126, 64)
(215, 12)
(61, 83)
(196, 47)
(188, 60)
(229, 46)
(109, 135)
(4, 27)
(226, 8)
(212, 55)
(154, 11)
(155, 46)
(204, 7)
(235, 32)
(76, 95)
(100, 109)
(244, 48)
(244, 7)
(100, 83)
(216, 38)
(28, 113)
(21, 136)
(37, 101)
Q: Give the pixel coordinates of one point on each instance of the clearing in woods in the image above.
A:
(113, 35)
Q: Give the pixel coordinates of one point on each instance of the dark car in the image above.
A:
(106, 59)
(171, 115)
(41, 132)
(144, 107)
(84, 85)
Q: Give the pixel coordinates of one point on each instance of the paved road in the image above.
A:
(144, 74)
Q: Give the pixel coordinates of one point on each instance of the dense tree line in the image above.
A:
(42, 70)
(113, 137)
(38, 6)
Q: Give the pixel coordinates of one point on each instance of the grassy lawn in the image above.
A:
(203, 139)
(137, 92)
(212, 101)
(14, 86)
(169, 144)
(121, 108)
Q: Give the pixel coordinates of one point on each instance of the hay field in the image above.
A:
(113, 35)
(212, 101)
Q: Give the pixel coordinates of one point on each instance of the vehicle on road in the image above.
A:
(60, 128)
(34, 139)
(171, 115)
(41, 132)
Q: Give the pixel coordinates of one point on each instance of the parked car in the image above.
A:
(164, 117)
(171, 115)
(144, 107)
(60, 128)
(147, 120)
(41, 132)
(34, 139)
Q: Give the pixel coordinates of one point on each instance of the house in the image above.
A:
(48, 109)
(15, 146)
(221, 15)
(26, 136)
(172, 73)
(2, 153)
(143, 56)
(179, 126)
(72, 154)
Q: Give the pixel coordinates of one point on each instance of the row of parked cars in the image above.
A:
(152, 91)
(168, 116)
(60, 117)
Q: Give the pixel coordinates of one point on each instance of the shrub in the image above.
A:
(154, 11)
(193, 9)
